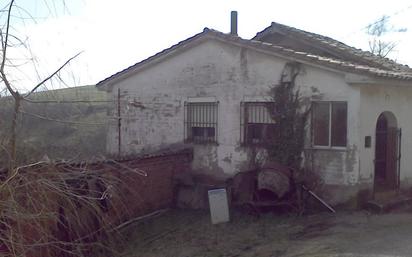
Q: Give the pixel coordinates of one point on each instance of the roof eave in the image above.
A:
(359, 80)
(262, 33)
(358, 54)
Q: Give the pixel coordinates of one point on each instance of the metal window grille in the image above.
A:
(257, 125)
(201, 122)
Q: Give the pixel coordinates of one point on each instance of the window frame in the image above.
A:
(330, 106)
(244, 123)
(210, 111)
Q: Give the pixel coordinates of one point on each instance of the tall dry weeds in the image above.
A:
(59, 209)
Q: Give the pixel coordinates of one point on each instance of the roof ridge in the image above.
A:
(275, 49)
(308, 54)
(336, 45)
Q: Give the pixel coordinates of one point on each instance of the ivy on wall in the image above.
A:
(290, 111)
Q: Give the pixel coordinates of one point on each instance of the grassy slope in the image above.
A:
(60, 140)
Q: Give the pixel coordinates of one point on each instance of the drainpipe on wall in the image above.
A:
(119, 124)
(399, 158)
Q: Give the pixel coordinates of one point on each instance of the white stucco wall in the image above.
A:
(338, 165)
(230, 74)
(376, 99)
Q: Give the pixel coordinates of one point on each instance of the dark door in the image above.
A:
(386, 156)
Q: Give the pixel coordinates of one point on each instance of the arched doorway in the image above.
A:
(386, 153)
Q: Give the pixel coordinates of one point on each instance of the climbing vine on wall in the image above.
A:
(290, 110)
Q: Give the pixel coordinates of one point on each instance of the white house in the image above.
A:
(198, 91)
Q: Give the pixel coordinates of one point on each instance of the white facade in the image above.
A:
(376, 99)
(231, 74)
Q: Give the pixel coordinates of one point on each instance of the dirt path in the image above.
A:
(189, 233)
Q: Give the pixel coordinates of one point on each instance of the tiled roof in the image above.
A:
(385, 69)
(343, 51)
(321, 60)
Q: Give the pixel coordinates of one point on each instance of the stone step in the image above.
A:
(387, 203)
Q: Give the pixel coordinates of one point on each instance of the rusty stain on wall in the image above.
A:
(228, 74)
(243, 64)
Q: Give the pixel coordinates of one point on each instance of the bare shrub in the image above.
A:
(59, 209)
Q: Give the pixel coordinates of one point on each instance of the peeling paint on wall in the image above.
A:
(336, 166)
(243, 65)
(229, 74)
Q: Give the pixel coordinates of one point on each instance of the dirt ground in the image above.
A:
(348, 234)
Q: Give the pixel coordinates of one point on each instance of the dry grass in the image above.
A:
(49, 209)
(189, 233)
(358, 234)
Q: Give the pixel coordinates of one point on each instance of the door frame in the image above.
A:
(387, 153)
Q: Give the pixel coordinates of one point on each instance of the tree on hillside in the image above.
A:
(45, 211)
(8, 41)
(377, 31)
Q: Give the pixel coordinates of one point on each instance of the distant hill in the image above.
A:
(63, 124)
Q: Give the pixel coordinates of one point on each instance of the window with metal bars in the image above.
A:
(201, 122)
(256, 123)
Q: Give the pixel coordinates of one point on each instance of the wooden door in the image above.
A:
(392, 158)
(387, 157)
(380, 152)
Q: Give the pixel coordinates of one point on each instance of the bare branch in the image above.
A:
(4, 49)
(4, 46)
(377, 30)
(51, 75)
(33, 19)
(16, 171)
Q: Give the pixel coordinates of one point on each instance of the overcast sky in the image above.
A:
(113, 35)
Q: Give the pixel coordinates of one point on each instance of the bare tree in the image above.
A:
(377, 30)
(50, 208)
(9, 40)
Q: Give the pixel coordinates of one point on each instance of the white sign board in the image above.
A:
(219, 209)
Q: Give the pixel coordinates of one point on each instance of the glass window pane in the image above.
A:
(254, 133)
(320, 123)
(339, 124)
